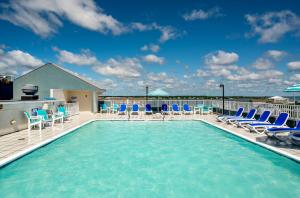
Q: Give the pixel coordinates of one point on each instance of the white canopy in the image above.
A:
(277, 98)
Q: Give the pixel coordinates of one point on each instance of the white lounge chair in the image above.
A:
(238, 114)
(280, 122)
(33, 121)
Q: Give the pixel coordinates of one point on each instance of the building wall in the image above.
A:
(59, 94)
(84, 99)
(12, 116)
(50, 77)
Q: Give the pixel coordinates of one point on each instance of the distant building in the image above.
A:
(59, 83)
(278, 100)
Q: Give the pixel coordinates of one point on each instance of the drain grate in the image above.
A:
(21, 138)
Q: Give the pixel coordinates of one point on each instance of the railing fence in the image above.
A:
(276, 109)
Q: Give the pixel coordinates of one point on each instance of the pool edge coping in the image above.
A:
(271, 148)
(22, 153)
(32, 148)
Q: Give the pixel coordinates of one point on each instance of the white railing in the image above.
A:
(158, 103)
(276, 109)
(72, 108)
(292, 110)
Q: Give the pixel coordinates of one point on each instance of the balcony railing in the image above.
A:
(72, 108)
(292, 110)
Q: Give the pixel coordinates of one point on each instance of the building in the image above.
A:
(278, 100)
(61, 84)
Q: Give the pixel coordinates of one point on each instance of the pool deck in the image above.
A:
(15, 145)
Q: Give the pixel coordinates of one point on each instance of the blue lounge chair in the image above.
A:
(280, 122)
(122, 109)
(274, 132)
(295, 138)
(175, 109)
(104, 108)
(148, 109)
(263, 119)
(187, 109)
(33, 121)
(46, 119)
(249, 116)
(164, 109)
(238, 114)
(135, 109)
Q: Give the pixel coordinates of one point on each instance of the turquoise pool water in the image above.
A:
(150, 159)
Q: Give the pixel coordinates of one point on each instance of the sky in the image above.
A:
(185, 47)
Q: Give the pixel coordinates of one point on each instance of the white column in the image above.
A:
(51, 93)
(94, 102)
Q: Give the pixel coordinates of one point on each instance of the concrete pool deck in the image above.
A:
(15, 145)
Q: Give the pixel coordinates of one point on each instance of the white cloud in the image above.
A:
(272, 26)
(15, 60)
(167, 32)
(124, 68)
(108, 83)
(268, 59)
(295, 65)
(84, 58)
(145, 48)
(246, 75)
(211, 84)
(221, 58)
(201, 73)
(276, 54)
(44, 17)
(157, 77)
(151, 58)
(152, 47)
(295, 77)
(263, 63)
(141, 27)
(202, 14)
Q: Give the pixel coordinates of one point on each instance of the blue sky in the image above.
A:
(183, 47)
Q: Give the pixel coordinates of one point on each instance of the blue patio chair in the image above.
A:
(164, 109)
(135, 109)
(175, 109)
(263, 119)
(186, 109)
(33, 121)
(148, 109)
(123, 109)
(261, 128)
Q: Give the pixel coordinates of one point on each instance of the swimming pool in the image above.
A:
(152, 159)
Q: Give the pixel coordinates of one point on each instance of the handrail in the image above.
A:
(292, 110)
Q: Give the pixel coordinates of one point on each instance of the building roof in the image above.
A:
(85, 80)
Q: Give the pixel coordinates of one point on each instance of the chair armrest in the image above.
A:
(59, 114)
